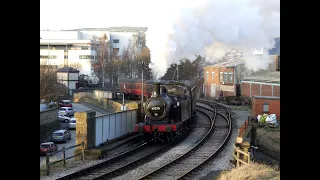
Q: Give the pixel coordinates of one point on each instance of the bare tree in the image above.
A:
(48, 81)
(133, 54)
(143, 62)
(103, 59)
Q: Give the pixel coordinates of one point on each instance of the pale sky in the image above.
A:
(71, 14)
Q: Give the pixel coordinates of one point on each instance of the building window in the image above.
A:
(84, 48)
(225, 77)
(116, 41)
(230, 77)
(50, 57)
(85, 57)
(221, 76)
(212, 76)
(207, 76)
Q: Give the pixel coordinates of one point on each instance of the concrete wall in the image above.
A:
(78, 95)
(48, 122)
(48, 115)
(274, 105)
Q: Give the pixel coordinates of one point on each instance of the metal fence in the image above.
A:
(112, 126)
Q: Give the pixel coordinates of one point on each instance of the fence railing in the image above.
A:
(241, 156)
(64, 158)
(244, 127)
(241, 148)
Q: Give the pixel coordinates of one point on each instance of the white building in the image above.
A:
(70, 47)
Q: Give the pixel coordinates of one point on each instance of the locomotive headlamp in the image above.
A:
(178, 103)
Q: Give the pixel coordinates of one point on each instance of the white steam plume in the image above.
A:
(209, 27)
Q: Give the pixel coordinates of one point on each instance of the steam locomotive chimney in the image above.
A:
(156, 88)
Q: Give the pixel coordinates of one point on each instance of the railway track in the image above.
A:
(191, 155)
(122, 162)
(183, 166)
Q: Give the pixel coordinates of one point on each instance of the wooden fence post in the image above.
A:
(246, 145)
(238, 157)
(82, 150)
(47, 164)
(64, 156)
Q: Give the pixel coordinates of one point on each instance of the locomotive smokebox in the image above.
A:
(156, 88)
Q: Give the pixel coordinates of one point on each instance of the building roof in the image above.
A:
(114, 29)
(68, 69)
(271, 77)
(232, 63)
(266, 97)
(65, 41)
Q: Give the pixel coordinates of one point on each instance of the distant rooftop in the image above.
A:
(271, 77)
(68, 69)
(114, 29)
(65, 41)
(232, 63)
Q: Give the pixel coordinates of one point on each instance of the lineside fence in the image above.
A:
(64, 158)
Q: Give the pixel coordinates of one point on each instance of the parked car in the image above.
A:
(48, 147)
(72, 123)
(65, 103)
(67, 111)
(63, 118)
(61, 136)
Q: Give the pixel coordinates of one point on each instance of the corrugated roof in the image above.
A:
(271, 77)
(232, 63)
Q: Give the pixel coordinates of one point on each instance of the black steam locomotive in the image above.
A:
(168, 111)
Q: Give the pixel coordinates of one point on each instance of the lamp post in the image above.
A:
(142, 63)
(122, 100)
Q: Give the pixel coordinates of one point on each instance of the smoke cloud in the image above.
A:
(209, 28)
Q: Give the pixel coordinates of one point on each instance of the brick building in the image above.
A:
(222, 76)
(272, 102)
(263, 85)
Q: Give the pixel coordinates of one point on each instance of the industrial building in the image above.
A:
(76, 48)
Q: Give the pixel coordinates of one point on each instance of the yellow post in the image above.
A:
(245, 146)
(238, 157)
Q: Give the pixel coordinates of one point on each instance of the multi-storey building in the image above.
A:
(76, 48)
